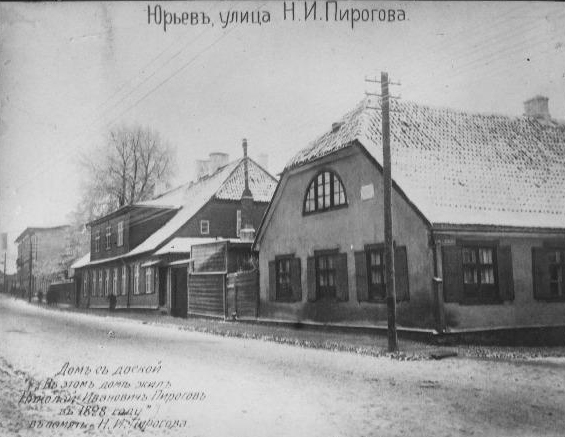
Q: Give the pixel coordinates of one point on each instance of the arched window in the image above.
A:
(324, 192)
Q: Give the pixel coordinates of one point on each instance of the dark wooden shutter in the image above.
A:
(272, 281)
(401, 274)
(296, 279)
(540, 272)
(505, 274)
(361, 276)
(342, 277)
(452, 273)
(311, 278)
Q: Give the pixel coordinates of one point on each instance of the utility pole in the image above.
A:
(387, 207)
(30, 265)
(389, 249)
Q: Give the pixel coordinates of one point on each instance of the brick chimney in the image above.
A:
(247, 232)
(537, 107)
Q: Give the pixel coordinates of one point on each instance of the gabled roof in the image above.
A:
(33, 230)
(227, 183)
(462, 168)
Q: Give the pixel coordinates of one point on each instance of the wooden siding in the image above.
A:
(222, 215)
(206, 294)
(139, 224)
(243, 294)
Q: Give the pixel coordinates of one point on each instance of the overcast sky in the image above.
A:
(70, 71)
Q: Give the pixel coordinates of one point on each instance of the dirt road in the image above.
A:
(162, 381)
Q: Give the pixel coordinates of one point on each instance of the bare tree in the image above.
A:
(127, 169)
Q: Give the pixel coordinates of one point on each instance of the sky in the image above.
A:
(69, 72)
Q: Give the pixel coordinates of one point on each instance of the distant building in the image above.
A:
(141, 252)
(41, 249)
(478, 203)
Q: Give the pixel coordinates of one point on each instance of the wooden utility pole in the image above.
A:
(389, 249)
(387, 206)
(30, 265)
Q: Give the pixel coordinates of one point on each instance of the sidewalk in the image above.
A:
(372, 344)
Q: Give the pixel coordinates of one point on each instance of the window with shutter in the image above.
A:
(370, 273)
(283, 278)
(549, 273)
(477, 273)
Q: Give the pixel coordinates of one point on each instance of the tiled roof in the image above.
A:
(226, 183)
(261, 184)
(463, 168)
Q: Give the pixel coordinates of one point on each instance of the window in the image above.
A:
(376, 272)
(94, 277)
(549, 273)
(285, 279)
(120, 234)
(124, 280)
(324, 192)
(148, 280)
(108, 236)
(136, 279)
(100, 284)
(238, 222)
(97, 241)
(204, 227)
(115, 282)
(371, 274)
(85, 284)
(477, 273)
(556, 272)
(107, 283)
(284, 288)
(325, 276)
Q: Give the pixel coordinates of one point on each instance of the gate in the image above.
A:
(243, 294)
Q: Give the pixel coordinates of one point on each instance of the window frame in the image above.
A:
(108, 237)
(124, 280)
(97, 240)
(560, 265)
(120, 231)
(370, 286)
(136, 273)
(85, 284)
(288, 296)
(207, 222)
(148, 280)
(332, 294)
(480, 293)
(115, 282)
(314, 183)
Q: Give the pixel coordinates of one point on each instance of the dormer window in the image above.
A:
(324, 192)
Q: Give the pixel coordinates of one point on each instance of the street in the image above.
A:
(194, 384)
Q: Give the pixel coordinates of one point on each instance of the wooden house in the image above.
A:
(141, 252)
(478, 210)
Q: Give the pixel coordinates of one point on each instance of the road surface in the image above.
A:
(163, 381)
